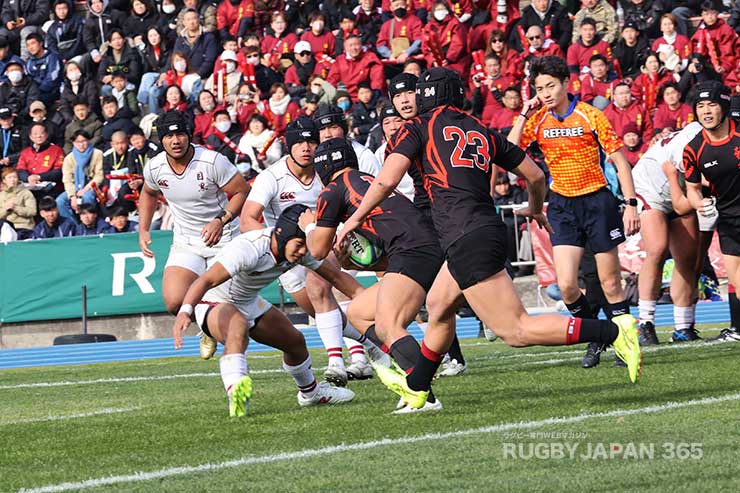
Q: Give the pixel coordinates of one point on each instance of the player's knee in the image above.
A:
(611, 286)
(439, 309)
(295, 346)
(517, 336)
(569, 292)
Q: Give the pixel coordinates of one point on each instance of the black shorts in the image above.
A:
(729, 236)
(593, 218)
(420, 264)
(478, 255)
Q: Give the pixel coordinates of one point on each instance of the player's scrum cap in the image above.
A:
(388, 112)
(302, 129)
(439, 86)
(401, 83)
(286, 227)
(715, 92)
(172, 122)
(329, 114)
(333, 155)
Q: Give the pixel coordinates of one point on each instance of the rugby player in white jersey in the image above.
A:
(667, 226)
(234, 312)
(205, 193)
(292, 180)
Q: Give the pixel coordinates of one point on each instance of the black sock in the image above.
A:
(580, 308)
(406, 352)
(734, 310)
(617, 309)
(591, 330)
(426, 367)
(373, 336)
(455, 351)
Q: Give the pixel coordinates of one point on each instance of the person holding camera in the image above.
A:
(697, 71)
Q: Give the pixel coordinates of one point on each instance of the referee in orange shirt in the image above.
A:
(576, 139)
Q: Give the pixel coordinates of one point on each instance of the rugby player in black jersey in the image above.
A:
(457, 157)
(407, 239)
(714, 154)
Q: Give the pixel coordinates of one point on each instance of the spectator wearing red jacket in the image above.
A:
(320, 39)
(446, 33)
(540, 46)
(646, 86)
(680, 44)
(715, 39)
(405, 28)
(487, 92)
(202, 122)
(588, 45)
(41, 161)
(625, 110)
(504, 118)
(356, 66)
(279, 41)
(597, 86)
(511, 60)
(234, 17)
(280, 110)
(634, 145)
(672, 113)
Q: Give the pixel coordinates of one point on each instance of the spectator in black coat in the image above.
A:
(630, 49)
(11, 140)
(64, 36)
(142, 16)
(120, 57)
(547, 13)
(698, 70)
(6, 56)
(167, 20)
(115, 119)
(21, 18)
(200, 47)
(20, 90)
(38, 114)
(99, 23)
(76, 88)
(364, 112)
(53, 225)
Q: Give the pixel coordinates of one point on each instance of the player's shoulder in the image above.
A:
(589, 112)
(159, 160)
(277, 170)
(207, 156)
(258, 239)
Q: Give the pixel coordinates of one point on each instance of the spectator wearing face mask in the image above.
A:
(356, 66)
(400, 36)
(225, 137)
(77, 87)
(304, 66)
(446, 32)
(6, 57)
(320, 39)
(20, 91)
(265, 77)
(204, 116)
(224, 83)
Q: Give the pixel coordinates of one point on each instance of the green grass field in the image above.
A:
(163, 426)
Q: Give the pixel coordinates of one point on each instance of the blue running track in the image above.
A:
(109, 352)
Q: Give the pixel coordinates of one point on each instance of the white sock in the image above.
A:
(329, 325)
(233, 368)
(356, 351)
(683, 316)
(647, 310)
(303, 377)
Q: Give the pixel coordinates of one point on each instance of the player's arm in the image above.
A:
(210, 279)
(382, 186)
(529, 108)
(705, 205)
(678, 200)
(147, 205)
(624, 174)
(339, 279)
(236, 188)
(249, 218)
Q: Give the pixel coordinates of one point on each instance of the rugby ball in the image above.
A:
(363, 252)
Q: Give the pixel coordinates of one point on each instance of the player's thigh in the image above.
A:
(274, 329)
(497, 304)
(654, 231)
(361, 311)
(444, 297)
(184, 265)
(683, 237)
(732, 266)
(225, 323)
(398, 302)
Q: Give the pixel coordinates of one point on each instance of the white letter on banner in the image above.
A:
(119, 272)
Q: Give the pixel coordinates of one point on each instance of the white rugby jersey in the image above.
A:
(277, 188)
(648, 172)
(196, 196)
(366, 160)
(251, 265)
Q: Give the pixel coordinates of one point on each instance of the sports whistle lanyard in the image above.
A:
(6, 142)
(117, 163)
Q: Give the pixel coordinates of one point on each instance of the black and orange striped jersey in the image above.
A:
(396, 224)
(421, 197)
(719, 162)
(457, 156)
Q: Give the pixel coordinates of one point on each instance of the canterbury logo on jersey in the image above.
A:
(287, 196)
(163, 183)
(553, 133)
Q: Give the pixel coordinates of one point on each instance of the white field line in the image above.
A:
(320, 452)
(99, 412)
(494, 357)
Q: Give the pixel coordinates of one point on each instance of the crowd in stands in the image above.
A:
(81, 85)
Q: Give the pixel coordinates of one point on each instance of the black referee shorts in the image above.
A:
(592, 218)
(478, 255)
(420, 264)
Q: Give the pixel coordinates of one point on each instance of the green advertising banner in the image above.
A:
(43, 279)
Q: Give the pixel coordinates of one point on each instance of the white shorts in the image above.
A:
(294, 280)
(195, 258)
(707, 224)
(251, 309)
(651, 187)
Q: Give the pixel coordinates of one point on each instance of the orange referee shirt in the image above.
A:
(575, 146)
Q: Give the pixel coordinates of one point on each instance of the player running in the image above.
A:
(205, 193)
(575, 138)
(714, 154)
(235, 312)
(292, 180)
(457, 156)
(407, 238)
(666, 225)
